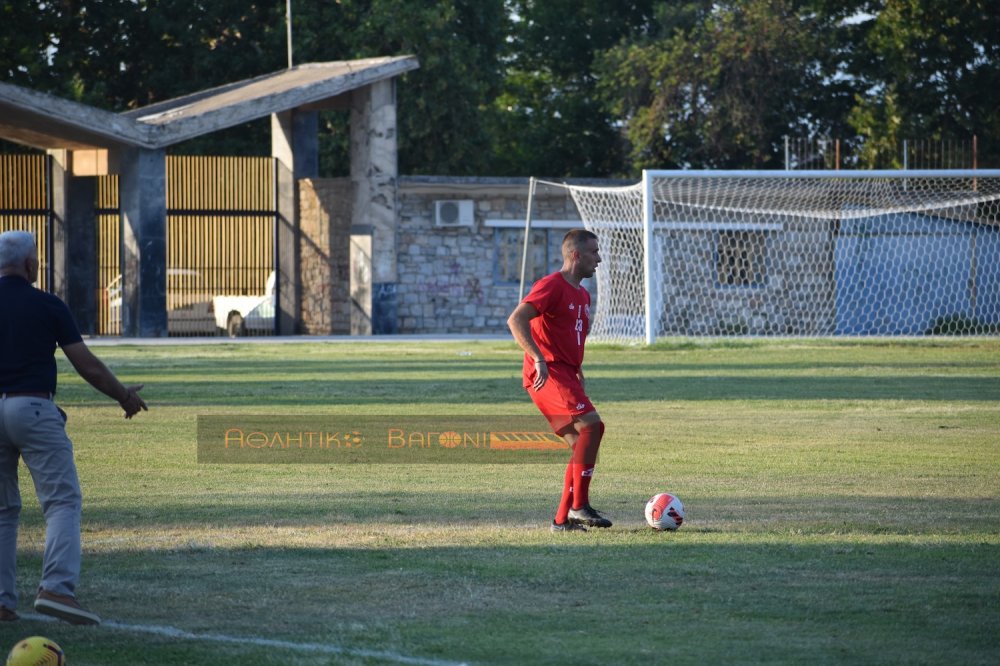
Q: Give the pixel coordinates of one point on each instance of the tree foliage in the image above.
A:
(443, 105)
(929, 69)
(124, 54)
(549, 118)
(718, 85)
(552, 87)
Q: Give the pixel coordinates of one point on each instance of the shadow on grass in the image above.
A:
(294, 376)
(389, 366)
(461, 390)
(504, 602)
(256, 503)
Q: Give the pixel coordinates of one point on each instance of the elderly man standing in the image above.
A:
(32, 324)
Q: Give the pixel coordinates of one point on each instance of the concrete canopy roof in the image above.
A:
(45, 121)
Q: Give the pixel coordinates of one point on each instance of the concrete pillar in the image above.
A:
(361, 281)
(143, 202)
(75, 260)
(295, 146)
(374, 172)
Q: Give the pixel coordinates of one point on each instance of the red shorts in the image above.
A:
(562, 399)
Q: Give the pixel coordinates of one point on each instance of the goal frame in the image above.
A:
(649, 176)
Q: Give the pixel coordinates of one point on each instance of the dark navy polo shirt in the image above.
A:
(32, 323)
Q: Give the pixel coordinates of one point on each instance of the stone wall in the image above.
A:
(448, 280)
(324, 255)
(465, 278)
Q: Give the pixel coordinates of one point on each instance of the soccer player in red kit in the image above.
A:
(551, 326)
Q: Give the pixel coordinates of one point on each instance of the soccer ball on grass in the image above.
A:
(664, 512)
(36, 651)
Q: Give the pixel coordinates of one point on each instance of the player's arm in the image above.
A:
(97, 375)
(519, 323)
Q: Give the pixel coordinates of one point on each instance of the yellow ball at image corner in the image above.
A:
(36, 651)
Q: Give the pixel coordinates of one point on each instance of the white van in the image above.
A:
(189, 308)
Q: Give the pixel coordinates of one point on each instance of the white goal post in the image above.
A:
(795, 253)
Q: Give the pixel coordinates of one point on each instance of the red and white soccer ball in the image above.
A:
(664, 512)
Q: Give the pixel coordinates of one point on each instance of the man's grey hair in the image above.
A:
(15, 247)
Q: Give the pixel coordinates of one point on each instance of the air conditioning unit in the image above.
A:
(454, 213)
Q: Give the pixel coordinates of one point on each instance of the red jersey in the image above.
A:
(561, 329)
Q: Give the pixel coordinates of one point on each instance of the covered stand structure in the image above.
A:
(87, 142)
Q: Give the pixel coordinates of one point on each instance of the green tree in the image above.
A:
(719, 84)
(548, 120)
(442, 106)
(933, 67)
(125, 54)
(552, 87)
(25, 42)
(877, 122)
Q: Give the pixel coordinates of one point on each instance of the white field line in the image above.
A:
(313, 648)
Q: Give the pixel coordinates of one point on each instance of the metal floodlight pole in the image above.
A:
(288, 29)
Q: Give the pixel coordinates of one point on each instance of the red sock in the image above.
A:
(582, 474)
(566, 503)
(584, 458)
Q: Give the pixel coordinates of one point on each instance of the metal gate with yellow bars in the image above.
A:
(221, 223)
(26, 204)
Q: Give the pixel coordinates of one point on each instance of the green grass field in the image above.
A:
(843, 506)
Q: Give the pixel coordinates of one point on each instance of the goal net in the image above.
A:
(812, 253)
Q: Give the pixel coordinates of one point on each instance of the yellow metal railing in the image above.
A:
(220, 232)
(24, 203)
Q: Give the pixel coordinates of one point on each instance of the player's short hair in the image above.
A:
(15, 247)
(575, 238)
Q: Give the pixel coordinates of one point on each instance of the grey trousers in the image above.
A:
(33, 429)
